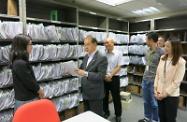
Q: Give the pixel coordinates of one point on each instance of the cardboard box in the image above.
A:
(134, 89)
(81, 107)
(12, 7)
(141, 91)
(125, 104)
(181, 102)
(69, 113)
(125, 96)
(110, 97)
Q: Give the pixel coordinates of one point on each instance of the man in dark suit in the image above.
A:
(93, 69)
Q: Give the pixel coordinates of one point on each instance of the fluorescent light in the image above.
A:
(114, 2)
(92, 13)
(146, 11)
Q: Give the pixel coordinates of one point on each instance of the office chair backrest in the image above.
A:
(37, 111)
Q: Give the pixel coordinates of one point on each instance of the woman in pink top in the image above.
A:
(169, 75)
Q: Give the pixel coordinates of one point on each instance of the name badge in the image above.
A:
(147, 68)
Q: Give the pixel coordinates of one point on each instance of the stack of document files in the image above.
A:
(74, 100)
(5, 53)
(137, 60)
(139, 38)
(5, 77)
(100, 36)
(121, 39)
(137, 49)
(66, 102)
(48, 90)
(82, 51)
(124, 81)
(68, 34)
(59, 70)
(74, 51)
(49, 52)
(126, 60)
(36, 53)
(51, 33)
(71, 51)
(46, 72)
(8, 30)
(60, 87)
(62, 51)
(101, 49)
(78, 52)
(37, 70)
(6, 116)
(43, 71)
(7, 99)
(123, 71)
(73, 84)
(55, 52)
(122, 49)
(37, 32)
(83, 35)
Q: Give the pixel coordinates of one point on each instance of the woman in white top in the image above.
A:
(170, 73)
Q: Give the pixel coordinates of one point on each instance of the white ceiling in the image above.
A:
(125, 10)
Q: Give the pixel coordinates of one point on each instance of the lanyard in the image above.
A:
(165, 68)
(150, 56)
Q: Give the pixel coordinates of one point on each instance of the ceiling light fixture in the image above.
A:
(114, 2)
(146, 11)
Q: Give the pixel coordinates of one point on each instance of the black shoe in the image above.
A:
(118, 118)
(143, 120)
(106, 115)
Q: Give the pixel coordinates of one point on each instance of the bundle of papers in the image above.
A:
(5, 77)
(37, 32)
(7, 99)
(66, 102)
(124, 81)
(139, 38)
(6, 116)
(8, 30)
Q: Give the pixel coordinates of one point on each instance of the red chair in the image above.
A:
(37, 111)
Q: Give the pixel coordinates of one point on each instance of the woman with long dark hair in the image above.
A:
(169, 75)
(24, 82)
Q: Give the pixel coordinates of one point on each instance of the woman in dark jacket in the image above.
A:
(24, 82)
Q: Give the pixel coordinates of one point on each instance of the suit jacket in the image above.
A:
(93, 85)
(24, 82)
(174, 77)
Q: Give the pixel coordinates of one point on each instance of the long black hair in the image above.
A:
(176, 50)
(19, 48)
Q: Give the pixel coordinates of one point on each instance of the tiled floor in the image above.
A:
(135, 112)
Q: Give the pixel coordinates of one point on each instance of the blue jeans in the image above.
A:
(20, 103)
(150, 102)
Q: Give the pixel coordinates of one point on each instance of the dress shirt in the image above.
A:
(114, 60)
(90, 57)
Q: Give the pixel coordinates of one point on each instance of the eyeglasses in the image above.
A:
(85, 45)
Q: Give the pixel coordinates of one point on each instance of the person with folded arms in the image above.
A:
(169, 75)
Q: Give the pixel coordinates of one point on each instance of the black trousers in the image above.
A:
(168, 109)
(114, 88)
(95, 106)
